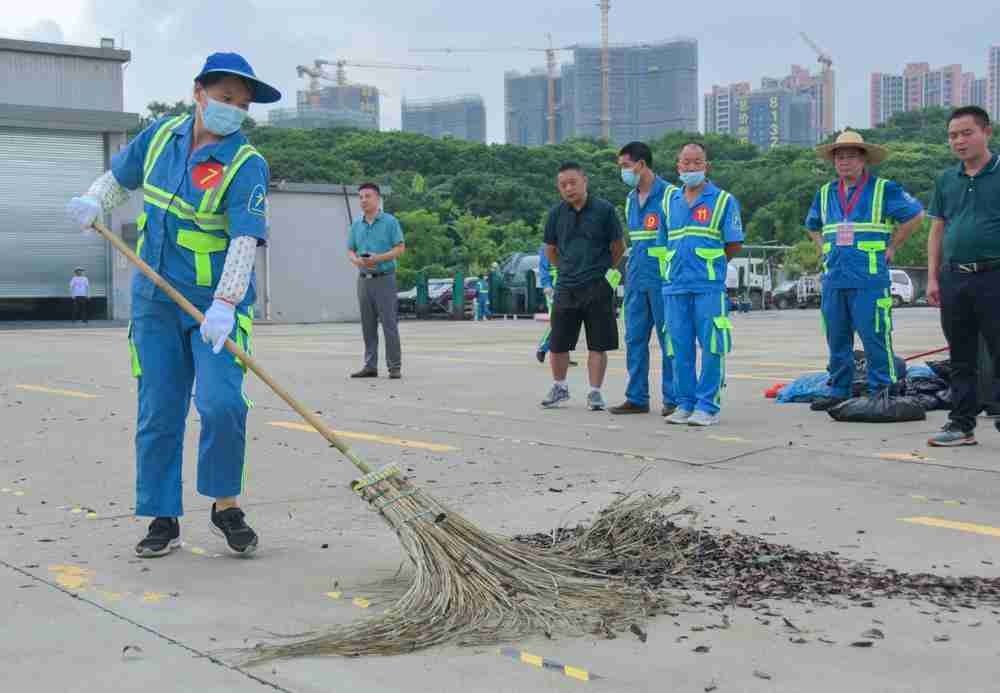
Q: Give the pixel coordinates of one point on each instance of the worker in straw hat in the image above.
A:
(205, 191)
(858, 221)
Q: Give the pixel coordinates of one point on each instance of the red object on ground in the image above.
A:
(926, 353)
(772, 392)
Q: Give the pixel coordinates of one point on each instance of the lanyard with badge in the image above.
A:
(845, 230)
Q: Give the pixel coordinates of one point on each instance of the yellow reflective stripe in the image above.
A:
(134, 354)
(244, 335)
(667, 195)
(873, 248)
(877, 200)
(824, 203)
(628, 206)
(885, 305)
(642, 235)
(719, 212)
(159, 141)
(710, 255)
(703, 231)
(831, 229)
(213, 198)
(202, 245)
(665, 256)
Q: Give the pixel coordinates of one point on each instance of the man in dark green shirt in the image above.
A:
(583, 239)
(963, 257)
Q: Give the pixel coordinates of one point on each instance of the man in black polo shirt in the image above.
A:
(583, 239)
(963, 257)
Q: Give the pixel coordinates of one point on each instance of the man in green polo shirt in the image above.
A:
(963, 257)
(374, 243)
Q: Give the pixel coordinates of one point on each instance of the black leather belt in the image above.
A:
(372, 275)
(975, 267)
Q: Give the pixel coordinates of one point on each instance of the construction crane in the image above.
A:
(827, 124)
(605, 6)
(550, 69)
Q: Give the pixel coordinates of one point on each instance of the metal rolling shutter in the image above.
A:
(39, 172)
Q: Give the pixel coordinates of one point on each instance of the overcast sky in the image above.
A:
(738, 40)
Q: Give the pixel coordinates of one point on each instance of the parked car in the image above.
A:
(786, 295)
(902, 288)
(435, 287)
(471, 293)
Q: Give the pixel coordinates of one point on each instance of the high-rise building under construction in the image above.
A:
(349, 105)
(653, 89)
(462, 117)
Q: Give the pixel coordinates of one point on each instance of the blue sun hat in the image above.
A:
(236, 64)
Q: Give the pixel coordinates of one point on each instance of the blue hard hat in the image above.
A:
(236, 64)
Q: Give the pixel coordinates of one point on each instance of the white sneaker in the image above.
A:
(556, 396)
(679, 417)
(703, 418)
(595, 400)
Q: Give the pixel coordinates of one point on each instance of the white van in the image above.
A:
(902, 288)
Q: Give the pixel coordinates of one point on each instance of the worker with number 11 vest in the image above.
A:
(702, 230)
(852, 220)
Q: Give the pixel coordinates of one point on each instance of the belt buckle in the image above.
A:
(968, 267)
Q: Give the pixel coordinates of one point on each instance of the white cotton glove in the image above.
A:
(84, 211)
(218, 325)
(548, 290)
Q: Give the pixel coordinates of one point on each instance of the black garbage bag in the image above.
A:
(925, 386)
(928, 401)
(944, 397)
(883, 407)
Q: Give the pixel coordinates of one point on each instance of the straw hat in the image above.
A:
(850, 139)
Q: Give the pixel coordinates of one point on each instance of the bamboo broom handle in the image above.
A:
(234, 348)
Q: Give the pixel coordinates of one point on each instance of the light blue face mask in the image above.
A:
(220, 118)
(630, 177)
(693, 179)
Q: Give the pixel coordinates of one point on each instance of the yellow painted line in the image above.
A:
(72, 577)
(370, 437)
(91, 516)
(533, 660)
(904, 457)
(153, 597)
(57, 391)
(18, 493)
(922, 499)
(335, 595)
(361, 602)
(729, 439)
(985, 530)
(197, 551)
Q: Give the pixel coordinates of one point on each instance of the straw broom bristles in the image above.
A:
(473, 588)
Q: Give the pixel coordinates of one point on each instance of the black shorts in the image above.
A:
(592, 305)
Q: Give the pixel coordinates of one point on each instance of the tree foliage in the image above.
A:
(465, 205)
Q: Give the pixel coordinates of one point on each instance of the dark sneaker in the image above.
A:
(229, 525)
(395, 374)
(951, 436)
(540, 356)
(629, 408)
(573, 363)
(668, 409)
(365, 373)
(827, 403)
(557, 395)
(164, 536)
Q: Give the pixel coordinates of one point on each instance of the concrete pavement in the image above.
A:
(465, 423)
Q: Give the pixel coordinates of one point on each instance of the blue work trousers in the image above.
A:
(869, 313)
(644, 312)
(699, 318)
(168, 358)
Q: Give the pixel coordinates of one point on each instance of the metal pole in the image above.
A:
(605, 6)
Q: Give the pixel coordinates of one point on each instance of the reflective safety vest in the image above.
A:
(854, 257)
(695, 255)
(211, 234)
(643, 270)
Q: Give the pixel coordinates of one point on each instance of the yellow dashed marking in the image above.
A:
(153, 597)
(985, 530)
(71, 577)
(335, 595)
(361, 602)
(76, 511)
(91, 516)
(197, 551)
(57, 391)
(112, 596)
(370, 437)
(922, 499)
(547, 664)
(18, 493)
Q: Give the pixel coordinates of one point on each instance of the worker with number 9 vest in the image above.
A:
(702, 230)
(643, 305)
(852, 220)
(205, 212)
